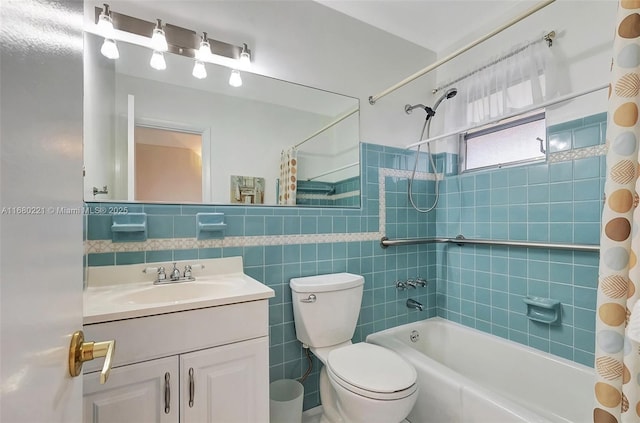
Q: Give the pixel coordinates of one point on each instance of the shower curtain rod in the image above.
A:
(438, 63)
(460, 240)
(338, 169)
(548, 37)
(510, 115)
(328, 126)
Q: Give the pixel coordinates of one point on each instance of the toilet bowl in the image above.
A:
(368, 384)
(359, 383)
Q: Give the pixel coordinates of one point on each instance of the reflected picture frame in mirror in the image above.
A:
(242, 131)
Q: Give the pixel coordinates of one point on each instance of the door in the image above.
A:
(41, 202)
(226, 384)
(144, 392)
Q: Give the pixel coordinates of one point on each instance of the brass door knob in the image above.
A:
(80, 351)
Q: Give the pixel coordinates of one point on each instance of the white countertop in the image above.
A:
(116, 292)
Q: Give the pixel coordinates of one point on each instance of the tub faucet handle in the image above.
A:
(411, 283)
(400, 285)
(421, 281)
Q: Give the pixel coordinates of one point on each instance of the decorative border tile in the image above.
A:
(578, 153)
(107, 246)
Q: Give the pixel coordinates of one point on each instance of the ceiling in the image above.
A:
(438, 25)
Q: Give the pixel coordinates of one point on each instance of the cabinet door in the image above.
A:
(143, 393)
(227, 384)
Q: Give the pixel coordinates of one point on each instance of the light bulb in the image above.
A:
(157, 61)
(245, 56)
(199, 71)
(109, 49)
(204, 52)
(158, 39)
(105, 23)
(235, 80)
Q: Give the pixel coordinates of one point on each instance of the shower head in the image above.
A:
(431, 111)
(451, 92)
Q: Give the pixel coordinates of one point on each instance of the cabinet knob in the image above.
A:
(81, 351)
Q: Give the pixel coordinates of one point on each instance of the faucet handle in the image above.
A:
(421, 281)
(159, 271)
(400, 285)
(189, 268)
(411, 283)
(161, 274)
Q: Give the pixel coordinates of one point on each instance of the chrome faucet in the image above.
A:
(175, 273)
(411, 303)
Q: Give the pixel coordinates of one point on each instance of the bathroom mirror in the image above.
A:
(165, 136)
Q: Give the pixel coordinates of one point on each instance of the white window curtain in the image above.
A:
(524, 77)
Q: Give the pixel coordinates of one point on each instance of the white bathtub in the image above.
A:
(468, 376)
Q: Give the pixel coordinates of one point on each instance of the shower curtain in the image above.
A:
(288, 176)
(617, 355)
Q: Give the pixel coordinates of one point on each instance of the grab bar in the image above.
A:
(460, 240)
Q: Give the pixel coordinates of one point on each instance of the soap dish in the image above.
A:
(544, 310)
(210, 225)
(130, 227)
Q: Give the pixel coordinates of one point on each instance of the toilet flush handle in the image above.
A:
(310, 299)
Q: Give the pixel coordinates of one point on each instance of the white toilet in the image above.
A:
(359, 383)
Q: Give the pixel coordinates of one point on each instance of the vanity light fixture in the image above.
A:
(158, 39)
(166, 37)
(157, 60)
(199, 71)
(245, 55)
(235, 80)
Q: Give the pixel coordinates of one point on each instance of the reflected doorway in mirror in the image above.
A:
(168, 165)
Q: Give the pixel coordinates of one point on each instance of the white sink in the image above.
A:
(224, 284)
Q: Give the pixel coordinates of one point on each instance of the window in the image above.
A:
(517, 141)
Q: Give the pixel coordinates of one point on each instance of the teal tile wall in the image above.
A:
(382, 305)
(483, 286)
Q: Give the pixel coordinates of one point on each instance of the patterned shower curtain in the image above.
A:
(617, 356)
(288, 176)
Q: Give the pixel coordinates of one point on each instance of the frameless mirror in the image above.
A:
(165, 136)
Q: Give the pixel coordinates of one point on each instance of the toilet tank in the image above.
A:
(326, 308)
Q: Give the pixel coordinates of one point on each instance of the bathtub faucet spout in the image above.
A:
(411, 303)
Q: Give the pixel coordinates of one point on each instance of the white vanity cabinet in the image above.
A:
(216, 359)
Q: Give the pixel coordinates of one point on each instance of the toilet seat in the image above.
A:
(371, 371)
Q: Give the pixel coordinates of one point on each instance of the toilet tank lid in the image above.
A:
(324, 283)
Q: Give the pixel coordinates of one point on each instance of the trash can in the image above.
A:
(285, 401)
